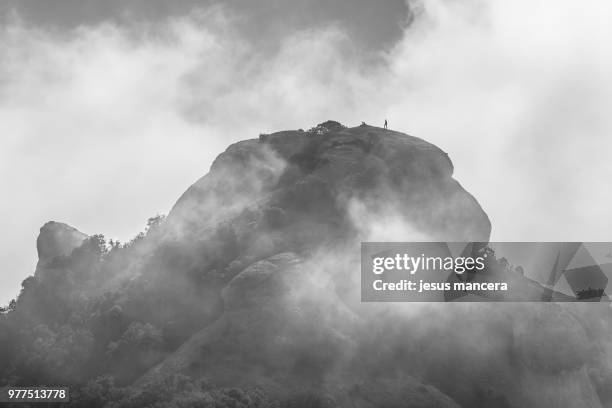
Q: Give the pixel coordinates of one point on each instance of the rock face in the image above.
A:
(555, 375)
(255, 220)
(57, 239)
(327, 177)
(285, 332)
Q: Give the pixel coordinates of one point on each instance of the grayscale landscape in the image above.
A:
(186, 186)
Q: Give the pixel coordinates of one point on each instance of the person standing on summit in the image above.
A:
(385, 124)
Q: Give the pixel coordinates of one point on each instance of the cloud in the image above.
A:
(105, 125)
(265, 22)
(517, 93)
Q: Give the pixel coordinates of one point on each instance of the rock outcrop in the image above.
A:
(311, 181)
(57, 239)
(255, 221)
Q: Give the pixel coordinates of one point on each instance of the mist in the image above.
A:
(106, 124)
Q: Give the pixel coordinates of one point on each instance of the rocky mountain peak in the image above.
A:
(331, 174)
(57, 239)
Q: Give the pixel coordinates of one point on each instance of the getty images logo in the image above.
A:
(414, 264)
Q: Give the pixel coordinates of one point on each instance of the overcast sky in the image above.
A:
(109, 110)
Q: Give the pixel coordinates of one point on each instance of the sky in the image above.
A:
(109, 110)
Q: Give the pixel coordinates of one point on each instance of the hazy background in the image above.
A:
(109, 110)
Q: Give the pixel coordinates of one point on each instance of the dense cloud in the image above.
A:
(106, 124)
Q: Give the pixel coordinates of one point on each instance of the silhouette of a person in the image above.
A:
(385, 123)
